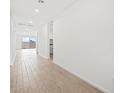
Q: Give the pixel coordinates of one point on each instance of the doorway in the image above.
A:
(51, 40)
(51, 49)
(28, 42)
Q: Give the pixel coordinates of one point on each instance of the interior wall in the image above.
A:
(12, 47)
(15, 40)
(12, 44)
(18, 42)
(43, 42)
(83, 41)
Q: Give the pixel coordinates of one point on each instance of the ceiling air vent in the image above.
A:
(21, 24)
(41, 1)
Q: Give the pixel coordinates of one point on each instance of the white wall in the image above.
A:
(15, 45)
(12, 47)
(12, 44)
(83, 41)
(43, 42)
(18, 42)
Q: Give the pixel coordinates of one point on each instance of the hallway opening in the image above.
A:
(28, 42)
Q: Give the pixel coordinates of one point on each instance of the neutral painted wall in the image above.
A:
(83, 41)
(15, 45)
(12, 43)
(43, 42)
(12, 47)
(18, 42)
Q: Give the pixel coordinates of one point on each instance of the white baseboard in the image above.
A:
(88, 81)
(43, 56)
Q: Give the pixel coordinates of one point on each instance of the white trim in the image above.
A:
(87, 80)
(43, 56)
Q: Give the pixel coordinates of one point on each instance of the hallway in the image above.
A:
(33, 74)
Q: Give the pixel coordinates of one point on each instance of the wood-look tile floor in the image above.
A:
(33, 74)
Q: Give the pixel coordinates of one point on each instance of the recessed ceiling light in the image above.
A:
(26, 29)
(30, 22)
(41, 1)
(37, 10)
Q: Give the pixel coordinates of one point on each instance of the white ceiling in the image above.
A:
(24, 16)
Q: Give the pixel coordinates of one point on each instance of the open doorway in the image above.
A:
(28, 42)
(51, 49)
(51, 40)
